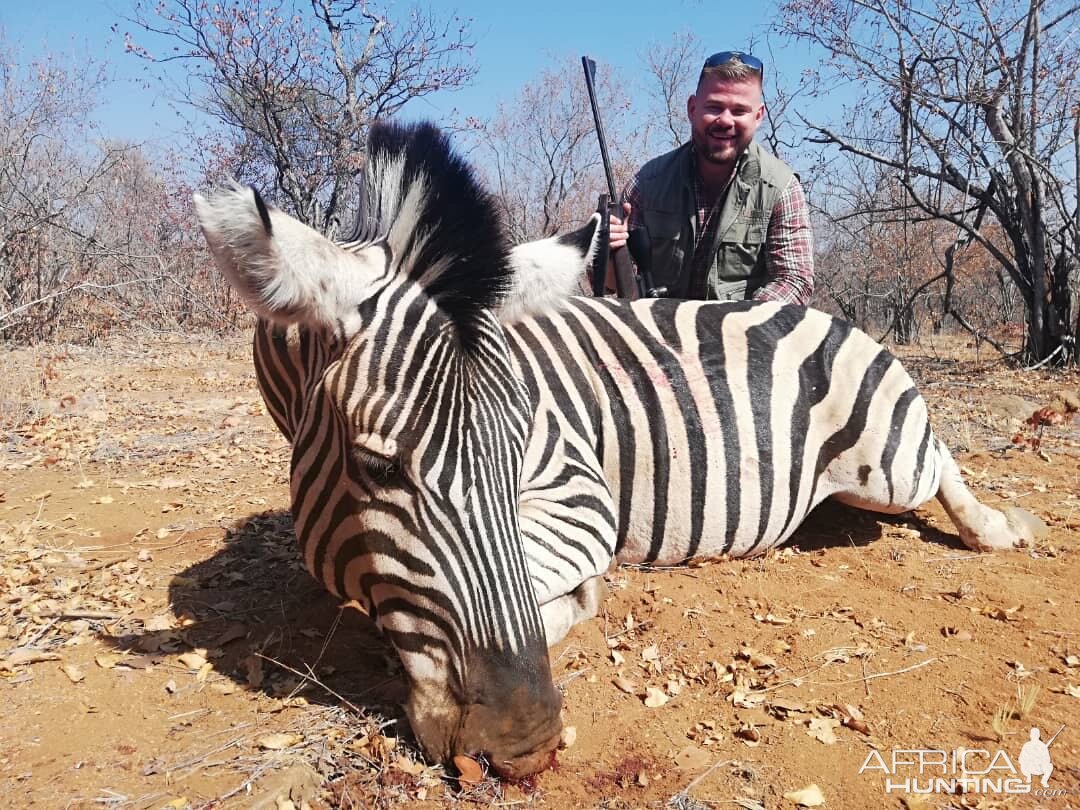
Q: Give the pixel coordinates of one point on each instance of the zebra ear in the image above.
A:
(548, 271)
(284, 270)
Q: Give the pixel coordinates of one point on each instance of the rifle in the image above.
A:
(628, 284)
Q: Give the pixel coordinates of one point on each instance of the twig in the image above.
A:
(94, 615)
(802, 678)
(243, 786)
(37, 636)
(637, 626)
(573, 676)
(877, 674)
(685, 792)
(153, 768)
(1046, 359)
(310, 676)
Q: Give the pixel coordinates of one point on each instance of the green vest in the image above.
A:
(669, 211)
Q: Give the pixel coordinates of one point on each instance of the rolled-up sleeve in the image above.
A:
(789, 250)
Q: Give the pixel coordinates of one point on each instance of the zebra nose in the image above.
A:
(514, 718)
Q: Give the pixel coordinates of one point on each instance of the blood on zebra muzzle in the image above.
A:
(509, 714)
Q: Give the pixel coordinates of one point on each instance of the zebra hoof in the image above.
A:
(1029, 528)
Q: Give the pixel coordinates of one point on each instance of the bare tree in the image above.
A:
(46, 182)
(672, 70)
(297, 88)
(94, 236)
(972, 104)
(541, 155)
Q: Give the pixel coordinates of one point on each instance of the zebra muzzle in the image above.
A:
(519, 738)
(509, 715)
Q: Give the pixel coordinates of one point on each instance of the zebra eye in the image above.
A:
(381, 468)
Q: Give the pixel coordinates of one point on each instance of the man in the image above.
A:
(726, 220)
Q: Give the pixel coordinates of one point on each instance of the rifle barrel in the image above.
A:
(590, 84)
(1051, 740)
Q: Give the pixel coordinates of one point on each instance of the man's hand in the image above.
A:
(619, 231)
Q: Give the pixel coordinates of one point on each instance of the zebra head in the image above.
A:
(409, 439)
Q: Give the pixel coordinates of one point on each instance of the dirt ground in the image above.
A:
(161, 646)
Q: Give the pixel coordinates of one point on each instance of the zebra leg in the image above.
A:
(563, 612)
(981, 527)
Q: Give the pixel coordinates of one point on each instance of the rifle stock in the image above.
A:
(627, 282)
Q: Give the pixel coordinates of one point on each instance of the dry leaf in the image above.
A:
(917, 802)
(469, 771)
(278, 742)
(26, 655)
(568, 736)
(192, 660)
(104, 499)
(749, 734)
(761, 661)
(406, 765)
(617, 658)
(787, 706)
(158, 623)
(809, 796)
(747, 700)
(693, 758)
(822, 728)
(1071, 691)
(625, 684)
(852, 718)
(650, 653)
(1002, 614)
(655, 698)
(107, 660)
(770, 618)
(73, 672)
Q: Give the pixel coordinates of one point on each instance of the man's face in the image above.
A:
(724, 115)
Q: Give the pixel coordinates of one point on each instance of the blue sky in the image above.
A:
(512, 45)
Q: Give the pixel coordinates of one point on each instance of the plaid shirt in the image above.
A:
(789, 243)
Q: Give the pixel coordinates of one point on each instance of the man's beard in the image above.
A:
(722, 154)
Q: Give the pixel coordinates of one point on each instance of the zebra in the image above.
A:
(473, 447)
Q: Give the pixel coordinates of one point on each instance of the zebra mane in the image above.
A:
(442, 228)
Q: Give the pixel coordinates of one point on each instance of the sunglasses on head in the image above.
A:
(723, 57)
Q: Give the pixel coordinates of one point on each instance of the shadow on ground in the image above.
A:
(835, 525)
(269, 626)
